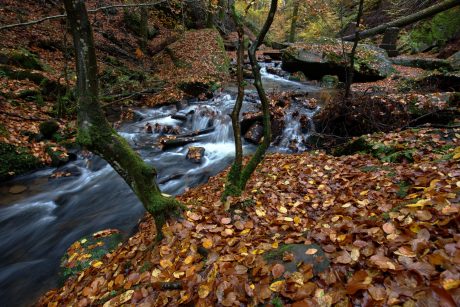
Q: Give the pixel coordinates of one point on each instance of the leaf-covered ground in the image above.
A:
(390, 231)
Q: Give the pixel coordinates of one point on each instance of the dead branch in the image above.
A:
(115, 6)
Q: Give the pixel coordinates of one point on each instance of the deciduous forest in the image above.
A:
(230, 153)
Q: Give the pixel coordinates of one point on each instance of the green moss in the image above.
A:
(94, 247)
(277, 254)
(16, 160)
(3, 130)
(48, 128)
(435, 32)
(21, 58)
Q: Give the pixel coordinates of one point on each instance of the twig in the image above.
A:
(115, 6)
(128, 96)
(20, 116)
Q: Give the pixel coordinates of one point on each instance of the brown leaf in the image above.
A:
(278, 270)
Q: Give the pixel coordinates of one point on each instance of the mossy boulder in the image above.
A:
(58, 157)
(88, 251)
(20, 58)
(422, 62)
(454, 60)
(439, 81)
(324, 57)
(15, 161)
(49, 128)
(394, 153)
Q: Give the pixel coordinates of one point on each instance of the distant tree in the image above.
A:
(95, 132)
(350, 69)
(239, 174)
(295, 16)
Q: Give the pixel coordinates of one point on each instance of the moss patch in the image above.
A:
(15, 160)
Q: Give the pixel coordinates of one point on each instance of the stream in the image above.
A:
(39, 224)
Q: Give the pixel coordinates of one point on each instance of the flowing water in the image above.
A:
(39, 224)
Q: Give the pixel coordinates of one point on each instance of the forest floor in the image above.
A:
(378, 225)
(389, 230)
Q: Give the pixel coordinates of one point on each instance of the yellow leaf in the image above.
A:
(275, 244)
(203, 291)
(449, 284)
(165, 263)
(156, 273)
(364, 193)
(96, 264)
(282, 209)
(207, 243)
(260, 212)
(245, 231)
(296, 220)
(421, 203)
(188, 260)
(178, 274)
(277, 286)
(288, 219)
(257, 252)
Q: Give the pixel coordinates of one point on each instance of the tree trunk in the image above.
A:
(95, 132)
(239, 176)
(295, 16)
(350, 70)
(407, 20)
(144, 28)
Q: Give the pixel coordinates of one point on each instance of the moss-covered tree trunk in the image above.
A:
(143, 28)
(95, 132)
(407, 20)
(239, 176)
(295, 16)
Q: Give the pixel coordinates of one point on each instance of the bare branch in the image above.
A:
(115, 6)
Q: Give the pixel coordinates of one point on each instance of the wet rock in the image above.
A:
(195, 154)
(305, 123)
(249, 118)
(277, 71)
(17, 189)
(66, 171)
(329, 81)
(49, 128)
(247, 74)
(58, 158)
(179, 116)
(279, 46)
(148, 128)
(324, 57)
(422, 62)
(454, 60)
(273, 54)
(291, 256)
(255, 133)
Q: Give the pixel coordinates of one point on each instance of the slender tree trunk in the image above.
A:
(144, 28)
(238, 179)
(232, 186)
(351, 70)
(407, 20)
(295, 16)
(95, 132)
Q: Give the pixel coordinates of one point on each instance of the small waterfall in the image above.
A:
(202, 117)
(223, 132)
